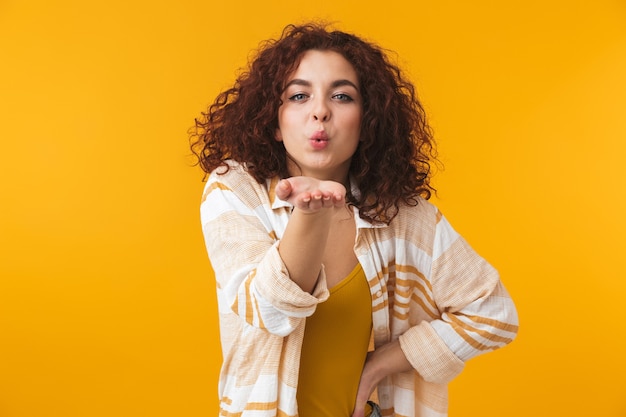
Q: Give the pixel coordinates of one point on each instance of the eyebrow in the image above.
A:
(334, 84)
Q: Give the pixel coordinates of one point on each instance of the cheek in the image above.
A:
(356, 122)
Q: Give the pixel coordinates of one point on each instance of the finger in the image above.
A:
(317, 195)
(339, 200)
(316, 201)
(283, 189)
(305, 199)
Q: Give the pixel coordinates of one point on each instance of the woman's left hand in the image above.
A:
(386, 360)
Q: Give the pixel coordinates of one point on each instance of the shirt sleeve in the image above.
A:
(252, 280)
(477, 314)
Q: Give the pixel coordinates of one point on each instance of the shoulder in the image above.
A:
(236, 180)
(417, 225)
(233, 173)
(234, 177)
(423, 212)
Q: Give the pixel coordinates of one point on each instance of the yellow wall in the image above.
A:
(107, 306)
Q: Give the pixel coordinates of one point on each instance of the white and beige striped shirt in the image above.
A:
(429, 289)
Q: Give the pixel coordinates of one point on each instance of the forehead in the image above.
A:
(324, 64)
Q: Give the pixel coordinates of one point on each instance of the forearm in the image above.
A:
(304, 241)
(302, 246)
(387, 360)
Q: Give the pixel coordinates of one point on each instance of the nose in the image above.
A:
(321, 111)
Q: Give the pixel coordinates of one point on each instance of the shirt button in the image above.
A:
(379, 293)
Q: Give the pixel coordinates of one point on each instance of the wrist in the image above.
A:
(389, 359)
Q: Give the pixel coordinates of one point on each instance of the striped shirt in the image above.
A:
(429, 289)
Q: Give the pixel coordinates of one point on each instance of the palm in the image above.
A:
(310, 194)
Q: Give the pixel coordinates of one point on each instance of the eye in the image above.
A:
(298, 97)
(343, 97)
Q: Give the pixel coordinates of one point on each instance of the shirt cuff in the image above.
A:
(276, 287)
(429, 355)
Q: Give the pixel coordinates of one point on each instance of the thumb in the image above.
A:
(283, 189)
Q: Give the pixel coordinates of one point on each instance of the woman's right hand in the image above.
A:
(310, 194)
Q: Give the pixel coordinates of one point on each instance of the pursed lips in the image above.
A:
(320, 135)
(319, 140)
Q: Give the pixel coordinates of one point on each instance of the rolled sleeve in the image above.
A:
(276, 288)
(429, 355)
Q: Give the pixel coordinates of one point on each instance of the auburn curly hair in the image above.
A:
(392, 164)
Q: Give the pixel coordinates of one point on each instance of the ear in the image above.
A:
(278, 135)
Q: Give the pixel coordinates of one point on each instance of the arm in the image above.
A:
(476, 313)
(384, 361)
(472, 314)
(240, 231)
(303, 242)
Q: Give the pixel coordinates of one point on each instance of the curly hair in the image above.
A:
(392, 164)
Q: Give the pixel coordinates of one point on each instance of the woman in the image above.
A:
(338, 282)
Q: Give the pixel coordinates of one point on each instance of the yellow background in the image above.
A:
(107, 305)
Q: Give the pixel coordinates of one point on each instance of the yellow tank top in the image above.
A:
(336, 339)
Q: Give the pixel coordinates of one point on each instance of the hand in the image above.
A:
(366, 387)
(311, 195)
(384, 361)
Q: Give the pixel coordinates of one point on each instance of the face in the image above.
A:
(319, 121)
